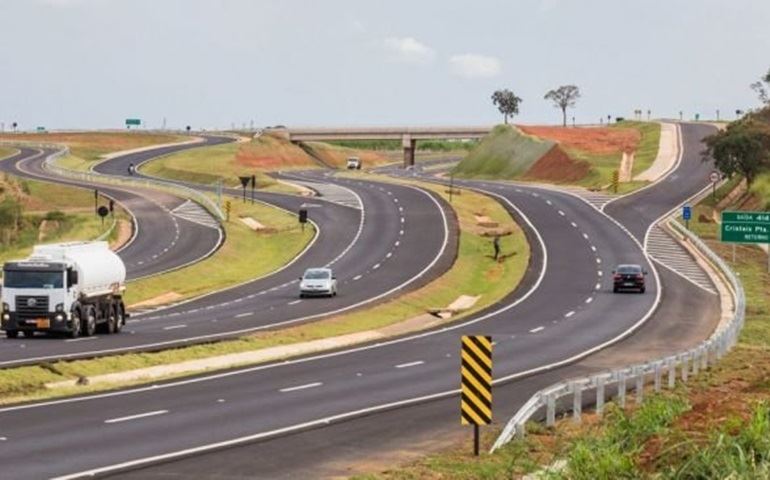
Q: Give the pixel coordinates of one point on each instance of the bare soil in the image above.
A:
(591, 140)
(557, 166)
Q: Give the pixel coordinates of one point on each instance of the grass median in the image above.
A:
(245, 254)
(474, 273)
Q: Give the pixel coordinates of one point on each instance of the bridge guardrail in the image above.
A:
(683, 364)
(93, 177)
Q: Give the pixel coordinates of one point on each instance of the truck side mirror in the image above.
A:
(72, 278)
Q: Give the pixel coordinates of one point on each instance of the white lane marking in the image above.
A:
(598, 260)
(573, 224)
(410, 364)
(402, 219)
(174, 327)
(376, 267)
(401, 232)
(535, 330)
(585, 235)
(135, 417)
(390, 254)
(398, 242)
(245, 314)
(549, 202)
(294, 302)
(357, 277)
(561, 213)
(589, 299)
(599, 272)
(569, 314)
(598, 286)
(2, 439)
(81, 339)
(300, 387)
(593, 248)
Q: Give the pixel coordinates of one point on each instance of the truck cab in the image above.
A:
(71, 288)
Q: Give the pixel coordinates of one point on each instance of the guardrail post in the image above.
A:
(671, 373)
(622, 388)
(577, 401)
(599, 395)
(685, 367)
(658, 375)
(550, 410)
(640, 386)
(704, 364)
(695, 361)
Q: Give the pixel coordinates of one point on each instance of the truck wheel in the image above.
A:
(119, 318)
(75, 333)
(12, 333)
(88, 322)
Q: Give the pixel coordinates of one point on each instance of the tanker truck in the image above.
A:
(73, 288)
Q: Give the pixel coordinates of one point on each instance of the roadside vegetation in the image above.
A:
(246, 254)
(579, 156)
(475, 272)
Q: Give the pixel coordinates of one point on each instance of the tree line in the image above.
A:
(563, 97)
(743, 147)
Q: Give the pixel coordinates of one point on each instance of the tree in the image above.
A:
(742, 148)
(761, 88)
(507, 102)
(563, 98)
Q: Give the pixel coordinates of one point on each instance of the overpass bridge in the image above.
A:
(407, 135)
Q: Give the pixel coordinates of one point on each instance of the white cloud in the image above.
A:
(470, 65)
(409, 50)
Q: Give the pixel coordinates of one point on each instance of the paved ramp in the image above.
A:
(666, 250)
(193, 212)
(332, 193)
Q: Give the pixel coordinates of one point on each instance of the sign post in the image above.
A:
(714, 177)
(96, 201)
(746, 227)
(228, 207)
(615, 180)
(687, 215)
(253, 184)
(244, 183)
(476, 388)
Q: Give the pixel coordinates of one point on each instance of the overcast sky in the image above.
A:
(209, 63)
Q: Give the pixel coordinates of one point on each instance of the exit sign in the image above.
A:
(746, 227)
(133, 122)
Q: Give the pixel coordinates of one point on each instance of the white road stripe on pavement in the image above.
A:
(174, 327)
(569, 314)
(300, 387)
(246, 314)
(135, 417)
(535, 330)
(410, 364)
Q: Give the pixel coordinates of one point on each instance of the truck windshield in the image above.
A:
(33, 279)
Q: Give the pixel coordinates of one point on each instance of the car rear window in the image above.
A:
(629, 269)
(317, 275)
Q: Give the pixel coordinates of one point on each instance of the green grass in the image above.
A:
(505, 153)
(473, 273)
(603, 165)
(6, 152)
(761, 188)
(208, 165)
(72, 162)
(244, 255)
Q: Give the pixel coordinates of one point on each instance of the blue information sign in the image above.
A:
(687, 212)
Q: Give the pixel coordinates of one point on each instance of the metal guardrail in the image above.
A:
(683, 364)
(93, 177)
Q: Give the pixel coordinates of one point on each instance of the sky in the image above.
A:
(70, 64)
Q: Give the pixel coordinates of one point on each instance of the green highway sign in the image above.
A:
(40, 129)
(746, 227)
(133, 122)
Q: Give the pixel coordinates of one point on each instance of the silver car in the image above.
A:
(318, 282)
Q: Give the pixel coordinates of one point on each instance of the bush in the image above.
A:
(56, 216)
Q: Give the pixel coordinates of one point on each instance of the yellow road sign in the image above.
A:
(476, 370)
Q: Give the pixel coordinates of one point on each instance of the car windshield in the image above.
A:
(317, 275)
(33, 279)
(629, 269)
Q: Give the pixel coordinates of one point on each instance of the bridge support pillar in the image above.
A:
(409, 146)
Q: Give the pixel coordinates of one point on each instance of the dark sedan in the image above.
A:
(628, 277)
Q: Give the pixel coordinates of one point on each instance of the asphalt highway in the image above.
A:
(402, 238)
(161, 241)
(563, 310)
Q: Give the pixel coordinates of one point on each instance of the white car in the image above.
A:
(318, 281)
(354, 163)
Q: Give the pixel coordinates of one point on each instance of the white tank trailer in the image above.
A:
(73, 288)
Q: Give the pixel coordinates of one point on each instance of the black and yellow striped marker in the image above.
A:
(476, 389)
